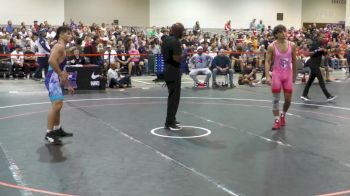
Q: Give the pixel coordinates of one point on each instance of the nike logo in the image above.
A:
(94, 77)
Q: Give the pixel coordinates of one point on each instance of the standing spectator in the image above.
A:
(252, 25)
(9, 27)
(73, 26)
(35, 26)
(196, 29)
(260, 27)
(44, 51)
(228, 27)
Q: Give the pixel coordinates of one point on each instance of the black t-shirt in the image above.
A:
(29, 61)
(171, 46)
(123, 57)
(335, 36)
(221, 61)
(3, 51)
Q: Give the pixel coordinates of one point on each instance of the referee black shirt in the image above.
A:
(171, 46)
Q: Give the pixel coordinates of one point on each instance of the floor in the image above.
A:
(226, 146)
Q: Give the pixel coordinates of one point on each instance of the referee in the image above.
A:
(314, 63)
(172, 52)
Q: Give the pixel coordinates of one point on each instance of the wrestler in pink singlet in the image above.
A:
(282, 72)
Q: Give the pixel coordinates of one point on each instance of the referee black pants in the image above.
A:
(172, 76)
(316, 73)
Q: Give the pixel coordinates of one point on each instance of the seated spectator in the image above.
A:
(144, 55)
(110, 57)
(135, 60)
(200, 65)
(221, 64)
(30, 61)
(124, 60)
(154, 47)
(11, 44)
(5, 60)
(248, 75)
(325, 68)
(114, 79)
(237, 58)
(17, 60)
(76, 59)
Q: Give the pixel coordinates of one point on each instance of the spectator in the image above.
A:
(200, 65)
(135, 60)
(154, 47)
(221, 64)
(17, 60)
(9, 27)
(260, 27)
(5, 60)
(110, 58)
(50, 34)
(114, 79)
(30, 61)
(196, 29)
(248, 75)
(76, 59)
(35, 26)
(252, 25)
(44, 50)
(227, 27)
(23, 33)
(124, 60)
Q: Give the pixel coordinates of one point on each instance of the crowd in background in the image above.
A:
(132, 49)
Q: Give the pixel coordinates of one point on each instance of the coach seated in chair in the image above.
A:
(115, 79)
(199, 64)
(221, 64)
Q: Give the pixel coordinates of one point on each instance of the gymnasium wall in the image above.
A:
(213, 14)
(323, 11)
(128, 12)
(29, 10)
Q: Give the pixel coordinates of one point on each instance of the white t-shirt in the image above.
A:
(51, 35)
(113, 57)
(17, 59)
(111, 74)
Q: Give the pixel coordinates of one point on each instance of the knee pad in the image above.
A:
(276, 101)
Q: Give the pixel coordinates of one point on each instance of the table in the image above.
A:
(86, 77)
